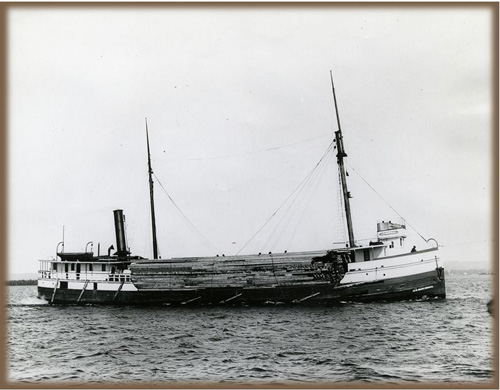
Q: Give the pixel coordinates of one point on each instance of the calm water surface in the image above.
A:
(404, 342)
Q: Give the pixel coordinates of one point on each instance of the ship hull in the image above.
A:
(426, 285)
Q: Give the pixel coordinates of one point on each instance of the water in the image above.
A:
(403, 342)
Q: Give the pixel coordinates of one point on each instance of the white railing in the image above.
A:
(47, 272)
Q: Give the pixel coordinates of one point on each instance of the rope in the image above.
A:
(392, 208)
(244, 154)
(193, 228)
(298, 203)
(286, 200)
(308, 201)
(291, 209)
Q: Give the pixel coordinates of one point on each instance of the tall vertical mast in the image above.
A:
(153, 222)
(340, 161)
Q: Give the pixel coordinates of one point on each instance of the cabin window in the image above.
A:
(366, 254)
(113, 269)
(72, 267)
(63, 285)
(54, 267)
(103, 267)
(65, 267)
(90, 267)
(401, 241)
(392, 244)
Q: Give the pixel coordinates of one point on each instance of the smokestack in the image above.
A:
(121, 240)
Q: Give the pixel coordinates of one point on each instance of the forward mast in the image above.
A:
(340, 161)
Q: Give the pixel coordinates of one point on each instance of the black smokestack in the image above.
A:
(121, 240)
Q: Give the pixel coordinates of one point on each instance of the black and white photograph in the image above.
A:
(254, 194)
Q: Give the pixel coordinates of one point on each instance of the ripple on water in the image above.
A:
(410, 342)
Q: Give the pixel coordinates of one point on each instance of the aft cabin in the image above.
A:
(83, 266)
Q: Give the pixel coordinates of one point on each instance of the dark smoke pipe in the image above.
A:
(121, 240)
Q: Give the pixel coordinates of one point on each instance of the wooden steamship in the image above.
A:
(385, 269)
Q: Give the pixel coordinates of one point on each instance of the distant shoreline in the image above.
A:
(25, 282)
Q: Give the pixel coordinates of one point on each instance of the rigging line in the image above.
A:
(198, 235)
(288, 213)
(301, 198)
(262, 227)
(294, 205)
(298, 191)
(193, 227)
(392, 208)
(242, 154)
(308, 201)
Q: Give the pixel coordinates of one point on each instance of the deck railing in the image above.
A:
(46, 271)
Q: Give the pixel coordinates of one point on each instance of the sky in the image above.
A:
(239, 108)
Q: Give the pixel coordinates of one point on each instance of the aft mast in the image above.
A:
(340, 161)
(151, 192)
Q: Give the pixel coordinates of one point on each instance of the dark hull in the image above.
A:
(425, 285)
